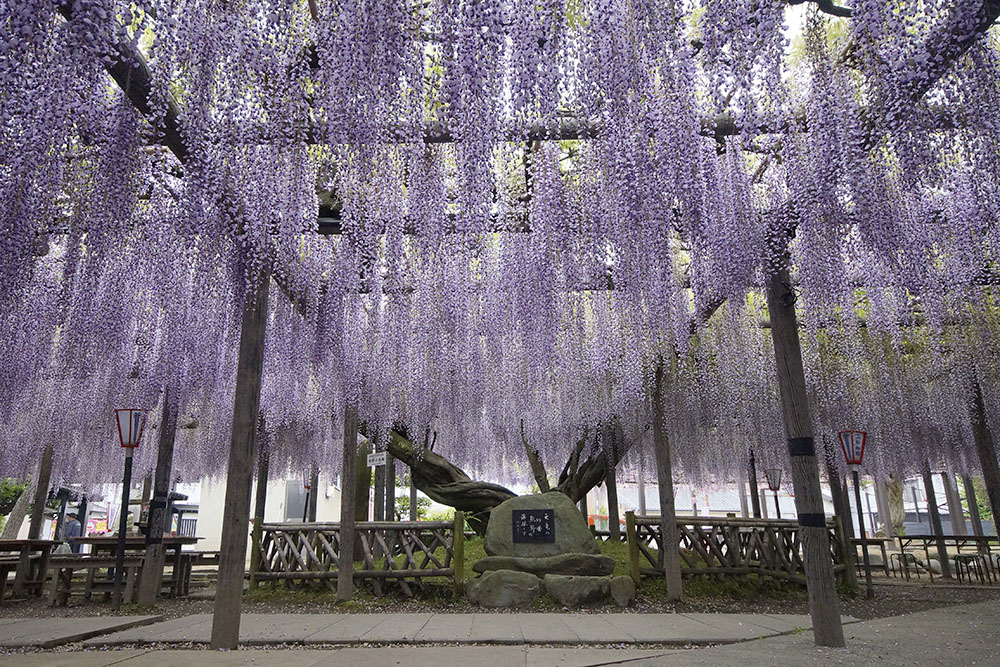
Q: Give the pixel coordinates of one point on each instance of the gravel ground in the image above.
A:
(891, 599)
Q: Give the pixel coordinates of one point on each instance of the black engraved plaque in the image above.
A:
(534, 525)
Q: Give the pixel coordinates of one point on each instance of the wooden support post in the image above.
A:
(614, 530)
(413, 498)
(632, 540)
(259, 504)
(313, 496)
(379, 507)
(824, 605)
(641, 480)
(458, 549)
(987, 452)
(754, 485)
(935, 516)
(345, 564)
(390, 487)
(41, 494)
(971, 500)
(665, 482)
(239, 474)
(744, 506)
(144, 498)
(362, 492)
(842, 510)
(955, 513)
(152, 565)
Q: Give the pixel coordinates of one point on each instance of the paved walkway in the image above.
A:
(55, 631)
(428, 628)
(959, 635)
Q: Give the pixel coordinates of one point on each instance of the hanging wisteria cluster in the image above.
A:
(488, 221)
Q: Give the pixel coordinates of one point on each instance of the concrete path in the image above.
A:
(56, 631)
(571, 629)
(959, 635)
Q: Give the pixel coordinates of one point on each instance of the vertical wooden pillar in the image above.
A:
(824, 605)
(314, 492)
(390, 487)
(614, 530)
(935, 516)
(239, 474)
(41, 494)
(345, 564)
(970, 498)
(987, 452)
(754, 485)
(665, 484)
(379, 508)
(458, 551)
(744, 506)
(632, 539)
(152, 566)
(413, 498)
(259, 504)
(842, 510)
(955, 512)
(641, 480)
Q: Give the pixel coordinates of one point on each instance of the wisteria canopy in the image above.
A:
(492, 220)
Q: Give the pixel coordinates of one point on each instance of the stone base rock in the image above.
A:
(571, 591)
(572, 535)
(623, 591)
(504, 588)
(577, 564)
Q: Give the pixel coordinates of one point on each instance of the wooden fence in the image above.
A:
(301, 554)
(725, 546)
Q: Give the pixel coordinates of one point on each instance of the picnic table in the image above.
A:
(30, 561)
(880, 542)
(978, 544)
(179, 560)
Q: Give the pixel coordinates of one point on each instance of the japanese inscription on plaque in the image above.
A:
(534, 525)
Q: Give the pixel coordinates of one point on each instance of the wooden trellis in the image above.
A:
(717, 546)
(301, 554)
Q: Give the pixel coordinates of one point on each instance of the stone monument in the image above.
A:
(541, 543)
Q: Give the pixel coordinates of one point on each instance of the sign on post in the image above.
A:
(130, 423)
(853, 445)
(376, 459)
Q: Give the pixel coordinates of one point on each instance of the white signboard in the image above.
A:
(376, 459)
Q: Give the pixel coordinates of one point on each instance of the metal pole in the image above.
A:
(116, 602)
(777, 507)
(869, 593)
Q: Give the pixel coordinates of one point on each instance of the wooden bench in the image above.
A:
(63, 566)
(8, 564)
(179, 581)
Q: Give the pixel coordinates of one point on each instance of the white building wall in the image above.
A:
(212, 501)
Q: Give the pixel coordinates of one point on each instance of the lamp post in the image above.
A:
(130, 423)
(853, 445)
(773, 476)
